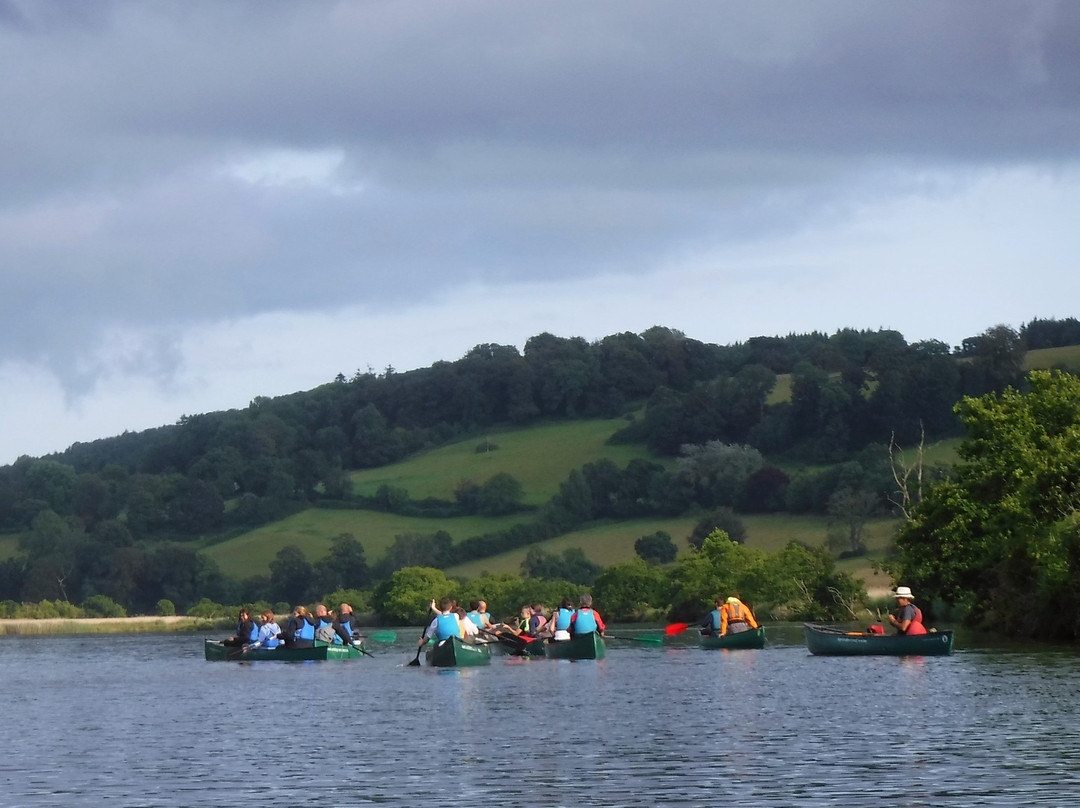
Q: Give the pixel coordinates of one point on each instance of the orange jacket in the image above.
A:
(734, 613)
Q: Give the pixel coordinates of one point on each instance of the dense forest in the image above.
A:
(119, 517)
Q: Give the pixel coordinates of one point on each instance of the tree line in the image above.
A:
(133, 503)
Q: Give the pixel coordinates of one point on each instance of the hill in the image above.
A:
(539, 458)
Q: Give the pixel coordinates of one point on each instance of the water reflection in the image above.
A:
(145, 721)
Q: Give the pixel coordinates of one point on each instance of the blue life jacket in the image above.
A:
(584, 622)
(326, 622)
(715, 615)
(306, 632)
(476, 618)
(562, 620)
(346, 624)
(446, 626)
(253, 636)
(272, 641)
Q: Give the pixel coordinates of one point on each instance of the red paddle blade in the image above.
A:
(676, 628)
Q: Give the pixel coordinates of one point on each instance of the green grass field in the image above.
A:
(1067, 356)
(540, 458)
(9, 546)
(314, 530)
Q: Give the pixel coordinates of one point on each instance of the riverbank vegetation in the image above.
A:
(540, 463)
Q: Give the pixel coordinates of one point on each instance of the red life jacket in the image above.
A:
(916, 625)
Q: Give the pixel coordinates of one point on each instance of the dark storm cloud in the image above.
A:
(478, 141)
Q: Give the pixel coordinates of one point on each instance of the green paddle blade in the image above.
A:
(657, 640)
(383, 636)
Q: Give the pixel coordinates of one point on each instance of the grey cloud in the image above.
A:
(491, 141)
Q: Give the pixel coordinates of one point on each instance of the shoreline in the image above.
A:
(105, 625)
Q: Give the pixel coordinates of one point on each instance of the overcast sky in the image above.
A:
(205, 202)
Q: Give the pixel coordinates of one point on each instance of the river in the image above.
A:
(144, 720)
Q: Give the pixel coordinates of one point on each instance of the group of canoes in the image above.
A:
(323, 634)
(459, 638)
(456, 638)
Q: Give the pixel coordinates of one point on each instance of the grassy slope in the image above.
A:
(1067, 356)
(540, 458)
(314, 530)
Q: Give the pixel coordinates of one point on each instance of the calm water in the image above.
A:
(145, 721)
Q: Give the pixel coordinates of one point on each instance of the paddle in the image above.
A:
(383, 636)
(416, 660)
(676, 628)
(647, 640)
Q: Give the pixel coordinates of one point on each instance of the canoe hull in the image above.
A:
(755, 638)
(580, 646)
(453, 653)
(215, 652)
(833, 642)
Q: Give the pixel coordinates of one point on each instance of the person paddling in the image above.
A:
(586, 619)
(445, 625)
(908, 618)
(268, 632)
(736, 617)
(247, 631)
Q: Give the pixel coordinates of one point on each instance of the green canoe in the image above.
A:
(453, 653)
(754, 638)
(580, 646)
(215, 651)
(825, 641)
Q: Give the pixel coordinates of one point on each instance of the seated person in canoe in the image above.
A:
(586, 619)
(345, 625)
(560, 620)
(908, 618)
(299, 631)
(736, 617)
(478, 614)
(445, 624)
(268, 632)
(537, 622)
(246, 630)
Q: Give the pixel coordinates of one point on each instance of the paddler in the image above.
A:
(908, 618)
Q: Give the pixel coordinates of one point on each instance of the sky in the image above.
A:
(204, 202)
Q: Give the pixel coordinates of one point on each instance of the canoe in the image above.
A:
(754, 638)
(825, 641)
(580, 646)
(215, 651)
(453, 653)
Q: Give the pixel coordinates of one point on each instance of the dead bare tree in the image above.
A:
(910, 491)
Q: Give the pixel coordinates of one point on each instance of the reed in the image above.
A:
(108, 625)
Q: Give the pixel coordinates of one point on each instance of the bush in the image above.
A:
(207, 609)
(102, 606)
(165, 608)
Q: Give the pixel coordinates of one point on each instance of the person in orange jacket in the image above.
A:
(736, 617)
(908, 619)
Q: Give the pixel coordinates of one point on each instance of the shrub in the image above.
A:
(102, 606)
(165, 608)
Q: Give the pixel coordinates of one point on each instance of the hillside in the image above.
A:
(539, 458)
(791, 428)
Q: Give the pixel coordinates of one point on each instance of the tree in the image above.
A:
(849, 509)
(657, 548)
(291, 575)
(500, 495)
(344, 567)
(571, 566)
(719, 472)
(723, 519)
(1006, 528)
(403, 598)
(633, 590)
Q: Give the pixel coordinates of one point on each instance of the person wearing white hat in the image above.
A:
(908, 619)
